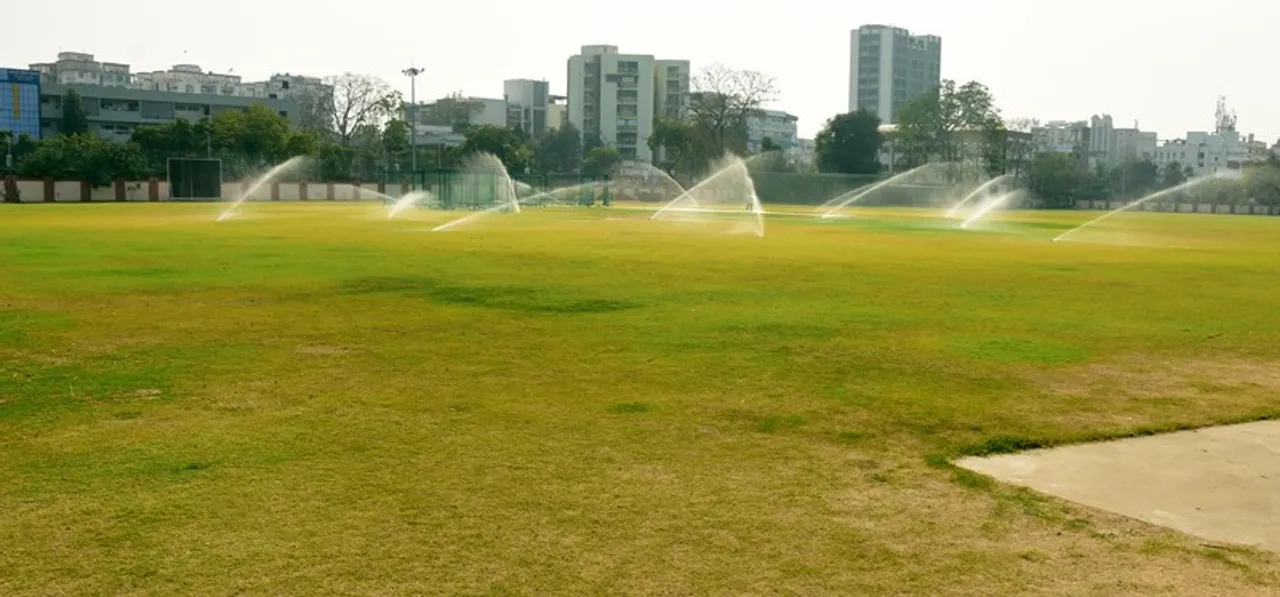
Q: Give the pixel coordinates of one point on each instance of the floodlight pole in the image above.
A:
(412, 73)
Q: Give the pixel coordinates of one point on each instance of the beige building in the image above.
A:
(617, 96)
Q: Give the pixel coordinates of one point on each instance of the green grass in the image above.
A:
(314, 400)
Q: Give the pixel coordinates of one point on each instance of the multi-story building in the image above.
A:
(116, 101)
(1112, 146)
(19, 103)
(114, 112)
(1224, 150)
(78, 68)
(671, 88)
(888, 66)
(527, 103)
(557, 112)
(1205, 153)
(617, 96)
(1060, 136)
(775, 125)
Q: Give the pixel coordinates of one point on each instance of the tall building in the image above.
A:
(889, 66)
(617, 96)
(527, 104)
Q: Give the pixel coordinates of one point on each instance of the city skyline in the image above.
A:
(1160, 68)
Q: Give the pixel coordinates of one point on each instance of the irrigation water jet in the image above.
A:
(270, 176)
(1182, 187)
(410, 199)
(481, 167)
(986, 208)
(848, 198)
(728, 191)
(951, 213)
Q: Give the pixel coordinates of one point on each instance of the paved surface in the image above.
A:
(1221, 484)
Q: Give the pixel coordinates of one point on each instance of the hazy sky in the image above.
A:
(1162, 64)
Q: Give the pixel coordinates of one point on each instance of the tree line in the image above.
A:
(962, 124)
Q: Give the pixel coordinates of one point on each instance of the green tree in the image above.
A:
(1057, 179)
(84, 157)
(19, 148)
(1133, 178)
(850, 144)
(1261, 181)
(397, 142)
(559, 150)
(507, 144)
(259, 134)
(933, 124)
(74, 121)
(684, 147)
(601, 161)
(1172, 175)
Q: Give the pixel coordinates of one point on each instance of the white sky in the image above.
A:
(1162, 64)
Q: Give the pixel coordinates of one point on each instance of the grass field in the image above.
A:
(314, 400)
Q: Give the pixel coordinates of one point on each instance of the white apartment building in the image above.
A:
(1209, 153)
(776, 125)
(617, 96)
(527, 104)
(1112, 146)
(78, 68)
(889, 66)
(1062, 136)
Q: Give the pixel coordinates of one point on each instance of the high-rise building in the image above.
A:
(889, 66)
(527, 103)
(617, 96)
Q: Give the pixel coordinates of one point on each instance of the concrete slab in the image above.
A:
(1221, 483)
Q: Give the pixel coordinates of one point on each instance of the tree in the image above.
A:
(315, 110)
(84, 157)
(453, 110)
(683, 147)
(850, 144)
(723, 100)
(174, 139)
(601, 161)
(771, 158)
(1057, 179)
(1173, 175)
(258, 133)
(1261, 181)
(1133, 178)
(359, 100)
(74, 121)
(930, 125)
(507, 144)
(559, 150)
(396, 140)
